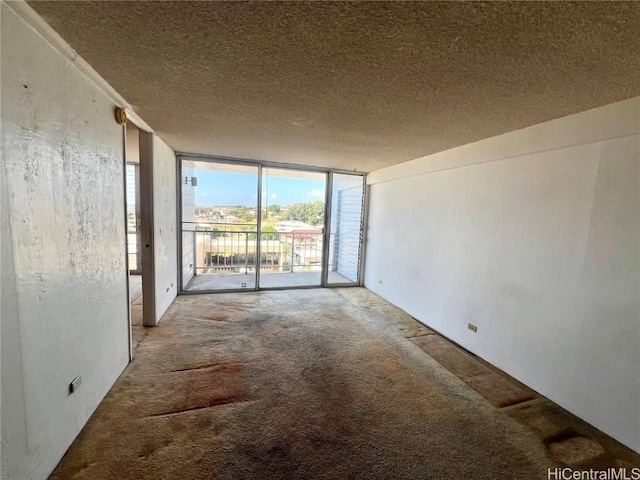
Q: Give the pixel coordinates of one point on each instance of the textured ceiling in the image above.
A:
(358, 85)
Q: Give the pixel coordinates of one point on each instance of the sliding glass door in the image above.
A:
(292, 223)
(219, 226)
(250, 226)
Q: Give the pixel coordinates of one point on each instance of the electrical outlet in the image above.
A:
(75, 384)
(244, 285)
(380, 282)
(472, 327)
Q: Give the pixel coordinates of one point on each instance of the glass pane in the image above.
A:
(346, 226)
(133, 218)
(219, 232)
(292, 227)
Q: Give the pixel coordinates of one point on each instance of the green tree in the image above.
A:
(274, 209)
(311, 213)
(243, 213)
(286, 250)
(268, 233)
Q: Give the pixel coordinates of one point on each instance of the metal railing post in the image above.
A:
(293, 243)
(246, 253)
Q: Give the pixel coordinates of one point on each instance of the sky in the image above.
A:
(222, 188)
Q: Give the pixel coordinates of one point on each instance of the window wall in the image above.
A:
(250, 226)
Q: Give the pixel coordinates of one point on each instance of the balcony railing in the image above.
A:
(236, 251)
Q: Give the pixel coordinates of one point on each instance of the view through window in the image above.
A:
(221, 217)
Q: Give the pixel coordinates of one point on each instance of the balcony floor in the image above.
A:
(233, 281)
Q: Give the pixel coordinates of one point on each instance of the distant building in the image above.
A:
(218, 252)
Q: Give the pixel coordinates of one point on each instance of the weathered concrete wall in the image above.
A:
(534, 237)
(64, 294)
(164, 224)
(158, 199)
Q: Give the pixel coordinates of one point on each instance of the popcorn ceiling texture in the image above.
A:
(353, 85)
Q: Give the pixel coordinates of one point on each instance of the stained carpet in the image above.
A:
(316, 384)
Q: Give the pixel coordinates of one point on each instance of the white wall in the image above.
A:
(534, 236)
(164, 223)
(64, 290)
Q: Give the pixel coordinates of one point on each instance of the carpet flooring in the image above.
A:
(320, 384)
